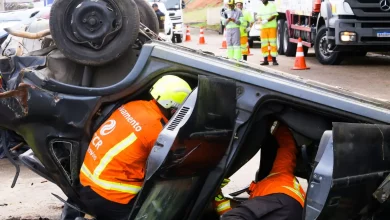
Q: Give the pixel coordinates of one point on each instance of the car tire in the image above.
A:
(147, 16)
(250, 42)
(289, 48)
(280, 36)
(125, 37)
(323, 55)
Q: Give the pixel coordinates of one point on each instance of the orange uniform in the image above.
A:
(281, 179)
(114, 163)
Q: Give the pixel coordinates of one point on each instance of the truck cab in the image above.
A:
(335, 28)
(253, 6)
(174, 9)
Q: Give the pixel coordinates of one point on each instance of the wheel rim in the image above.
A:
(92, 23)
(324, 47)
(285, 39)
(278, 39)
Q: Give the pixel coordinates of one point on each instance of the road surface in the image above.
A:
(31, 198)
(368, 75)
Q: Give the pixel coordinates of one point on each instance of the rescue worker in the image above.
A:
(246, 25)
(233, 17)
(279, 195)
(222, 18)
(160, 15)
(267, 17)
(114, 166)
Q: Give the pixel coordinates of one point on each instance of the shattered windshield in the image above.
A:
(169, 4)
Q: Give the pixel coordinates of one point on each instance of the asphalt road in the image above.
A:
(368, 75)
(31, 198)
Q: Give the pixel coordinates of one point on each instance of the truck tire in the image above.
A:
(179, 38)
(279, 38)
(66, 20)
(289, 48)
(324, 56)
(147, 16)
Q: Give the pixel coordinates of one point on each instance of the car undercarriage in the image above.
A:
(55, 99)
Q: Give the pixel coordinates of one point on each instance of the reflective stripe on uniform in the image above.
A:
(107, 158)
(296, 184)
(119, 147)
(264, 14)
(120, 187)
(223, 206)
(296, 192)
(272, 174)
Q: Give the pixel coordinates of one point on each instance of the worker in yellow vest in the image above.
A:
(267, 17)
(246, 25)
(233, 16)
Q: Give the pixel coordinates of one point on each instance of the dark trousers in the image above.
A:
(99, 207)
(271, 207)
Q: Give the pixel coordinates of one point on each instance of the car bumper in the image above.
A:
(366, 33)
(254, 33)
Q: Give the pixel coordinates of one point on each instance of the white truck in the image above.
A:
(175, 12)
(335, 28)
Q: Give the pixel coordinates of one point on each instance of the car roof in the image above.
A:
(268, 78)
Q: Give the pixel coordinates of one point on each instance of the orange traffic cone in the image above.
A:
(300, 63)
(269, 53)
(188, 35)
(224, 43)
(201, 36)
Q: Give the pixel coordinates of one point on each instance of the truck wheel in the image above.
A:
(94, 32)
(280, 36)
(147, 16)
(321, 47)
(250, 42)
(289, 48)
(179, 39)
(173, 38)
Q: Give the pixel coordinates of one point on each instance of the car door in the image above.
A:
(349, 177)
(187, 152)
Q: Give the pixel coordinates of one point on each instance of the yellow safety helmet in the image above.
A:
(170, 91)
(231, 2)
(240, 1)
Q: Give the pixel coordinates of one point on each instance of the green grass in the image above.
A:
(204, 24)
(195, 16)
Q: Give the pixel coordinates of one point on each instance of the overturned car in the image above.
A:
(106, 53)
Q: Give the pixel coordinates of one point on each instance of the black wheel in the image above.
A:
(280, 36)
(94, 32)
(289, 48)
(322, 50)
(173, 38)
(250, 42)
(179, 38)
(147, 15)
(305, 51)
